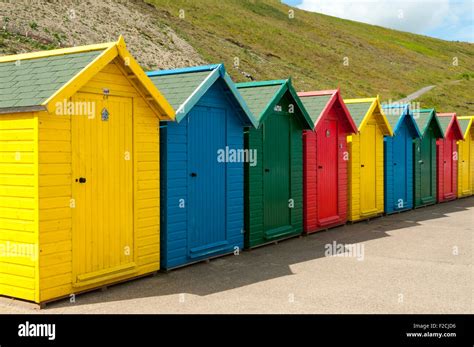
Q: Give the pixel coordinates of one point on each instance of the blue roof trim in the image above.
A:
(198, 93)
(239, 98)
(184, 70)
(406, 113)
(216, 71)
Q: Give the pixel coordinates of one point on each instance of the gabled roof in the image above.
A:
(397, 115)
(37, 81)
(449, 124)
(466, 124)
(362, 109)
(424, 117)
(262, 97)
(184, 87)
(318, 103)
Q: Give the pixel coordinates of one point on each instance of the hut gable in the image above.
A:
(398, 116)
(185, 87)
(263, 98)
(424, 118)
(319, 104)
(465, 124)
(365, 110)
(450, 126)
(37, 81)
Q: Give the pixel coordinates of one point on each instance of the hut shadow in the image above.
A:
(264, 263)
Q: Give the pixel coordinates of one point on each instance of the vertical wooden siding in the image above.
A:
(310, 177)
(466, 165)
(354, 195)
(55, 187)
(175, 167)
(19, 206)
(310, 181)
(254, 227)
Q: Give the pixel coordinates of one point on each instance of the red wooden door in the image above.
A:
(448, 168)
(327, 155)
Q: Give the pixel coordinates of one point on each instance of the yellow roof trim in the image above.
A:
(163, 104)
(471, 121)
(81, 78)
(110, 53)
(375, 104)
(55, 52)
(357, 101)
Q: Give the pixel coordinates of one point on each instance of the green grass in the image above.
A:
(452, 97)
(311, 48)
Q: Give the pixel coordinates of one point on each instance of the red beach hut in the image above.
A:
(447, 157)
(325, 158)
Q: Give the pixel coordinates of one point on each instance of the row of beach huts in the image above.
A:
(109, 173)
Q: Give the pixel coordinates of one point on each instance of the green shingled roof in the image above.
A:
(422, 118)
(258, 98)
(444, 122)
(177, 88)
(315, 105)
(358, 111)
(31, 82)
(464, 123)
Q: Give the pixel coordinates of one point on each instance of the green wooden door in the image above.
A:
(427, 153)
(276, 175)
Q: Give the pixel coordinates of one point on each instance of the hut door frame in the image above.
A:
(103, 238)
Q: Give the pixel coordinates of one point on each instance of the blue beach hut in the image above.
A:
(398, 158)
(202, 158)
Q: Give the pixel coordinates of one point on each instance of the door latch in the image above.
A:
(81, 180)
(193, 174)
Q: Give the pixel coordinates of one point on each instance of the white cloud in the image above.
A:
(407, 15)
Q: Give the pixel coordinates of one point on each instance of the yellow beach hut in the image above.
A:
(466, 157)
(366, 158)
(79, 171)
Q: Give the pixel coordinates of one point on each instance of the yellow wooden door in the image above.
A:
(471, 161)
(465, 166)
(368, 138)
(102, 175)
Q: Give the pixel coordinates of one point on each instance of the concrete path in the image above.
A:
(415, 95)
(415, 262)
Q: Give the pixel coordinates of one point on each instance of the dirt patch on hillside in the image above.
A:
(40, 24)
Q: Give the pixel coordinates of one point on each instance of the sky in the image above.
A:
(445, 19)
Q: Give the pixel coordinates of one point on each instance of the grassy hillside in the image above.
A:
(312, 49)
(45, 24)
(260, 34)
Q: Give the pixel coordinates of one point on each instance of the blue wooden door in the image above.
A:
(400, 149)
(206, 181)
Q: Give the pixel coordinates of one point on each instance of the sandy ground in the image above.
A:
(415, 262)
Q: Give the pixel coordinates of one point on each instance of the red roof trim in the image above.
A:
(453, 125)
(318, 92)
(336, 96)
